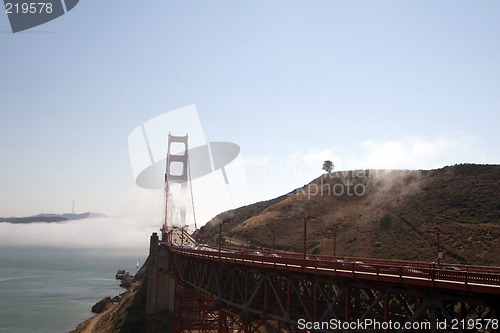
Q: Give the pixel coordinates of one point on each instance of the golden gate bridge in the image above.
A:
(227, 289)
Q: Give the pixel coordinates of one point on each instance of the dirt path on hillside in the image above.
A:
(89, 326)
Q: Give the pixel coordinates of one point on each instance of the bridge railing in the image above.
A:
(458, 277)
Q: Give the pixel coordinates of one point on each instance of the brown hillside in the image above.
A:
(380, 214)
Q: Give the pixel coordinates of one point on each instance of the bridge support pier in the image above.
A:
(161, 279)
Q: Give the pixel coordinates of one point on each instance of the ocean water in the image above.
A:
(49, 290)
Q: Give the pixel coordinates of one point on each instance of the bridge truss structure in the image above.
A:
(231, 291)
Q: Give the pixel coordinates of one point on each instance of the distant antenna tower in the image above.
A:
(73, 208)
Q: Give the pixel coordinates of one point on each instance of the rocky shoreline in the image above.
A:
(125, 313)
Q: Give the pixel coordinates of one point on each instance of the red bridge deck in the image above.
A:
(467, 278)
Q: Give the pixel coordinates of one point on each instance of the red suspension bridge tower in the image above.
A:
(177, 171)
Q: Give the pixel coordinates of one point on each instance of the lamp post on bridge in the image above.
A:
(170, 236)
(182, 234)
(306, 218)
(272, 233)
(220, 234)
(439, 253)
(334, 233)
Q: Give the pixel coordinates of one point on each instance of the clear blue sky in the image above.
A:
(367, 84)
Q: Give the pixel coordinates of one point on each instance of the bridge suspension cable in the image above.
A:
(192, 194)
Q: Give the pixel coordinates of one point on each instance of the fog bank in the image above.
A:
(92, 232)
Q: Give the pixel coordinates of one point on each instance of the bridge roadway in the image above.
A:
(242, 290)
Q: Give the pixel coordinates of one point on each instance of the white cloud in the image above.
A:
(414, 152)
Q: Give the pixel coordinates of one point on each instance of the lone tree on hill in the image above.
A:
(328, 166)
